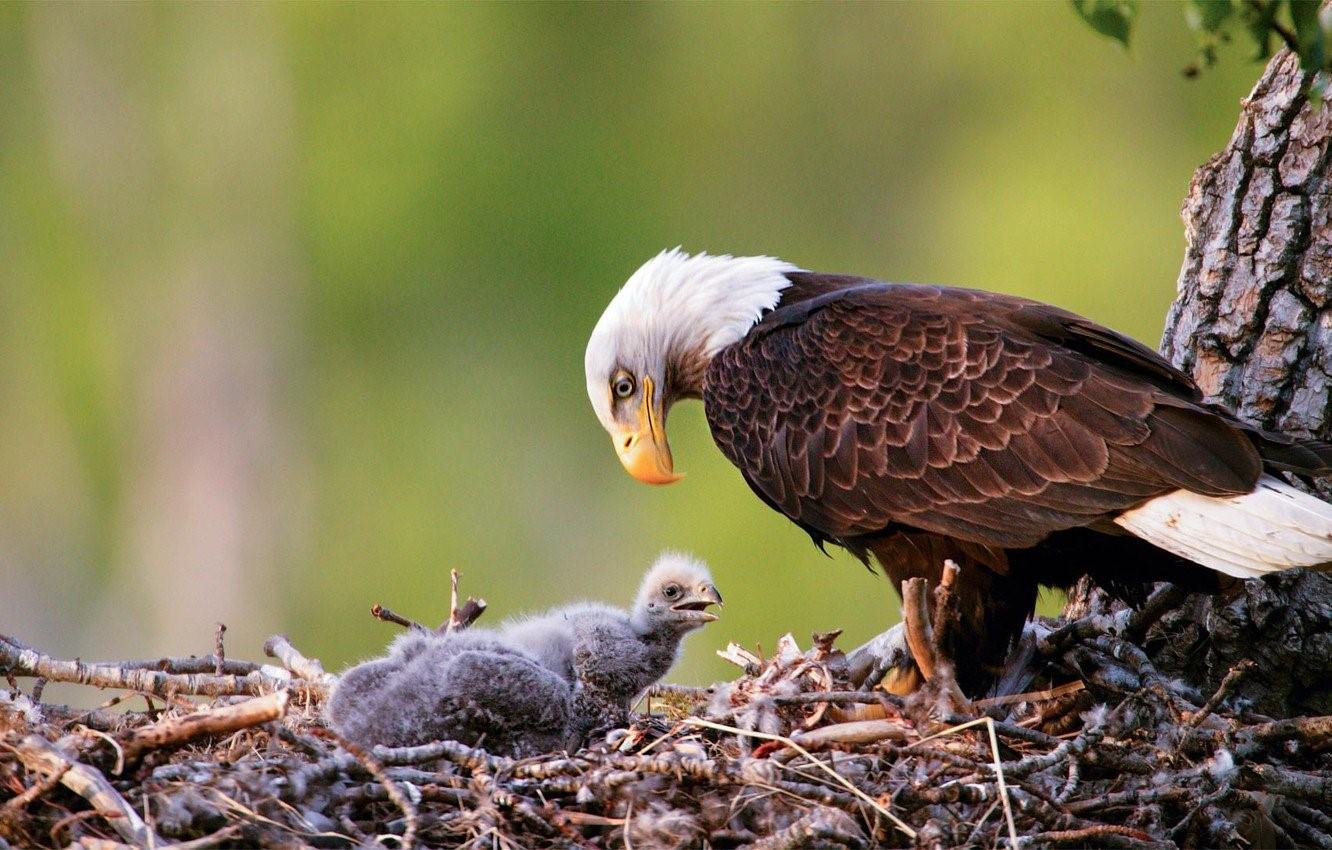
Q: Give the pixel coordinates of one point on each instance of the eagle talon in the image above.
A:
(885, 660)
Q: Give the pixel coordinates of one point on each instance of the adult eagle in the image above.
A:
(918, 423)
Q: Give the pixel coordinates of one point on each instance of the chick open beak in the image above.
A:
(695, 605)
(645, 453)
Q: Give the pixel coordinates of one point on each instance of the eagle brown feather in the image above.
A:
(878, 405)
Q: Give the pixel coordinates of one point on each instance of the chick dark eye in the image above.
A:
(671, 591)
(623, 386)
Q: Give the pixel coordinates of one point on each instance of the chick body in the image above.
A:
(537, 683)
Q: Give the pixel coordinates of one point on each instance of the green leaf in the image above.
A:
(1309, 35)
(1113, 18)
(1258, 19)
(1208, 16)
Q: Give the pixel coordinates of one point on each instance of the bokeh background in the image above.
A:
(293, 297)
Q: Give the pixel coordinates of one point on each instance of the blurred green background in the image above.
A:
(293, 297)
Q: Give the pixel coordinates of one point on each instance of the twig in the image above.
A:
(173, 731)
(39, 788)
(822, 828)
(458, 753)
(41, 756)
(924, 640)
(1223, 690)
(855, 732)
(1032, 696)
(841, 780)
(29, 662)
(997, 765)
(308, 669)
(686, 691)
(460, 617)
(862, 697)
(1089, 836)
(468, 614)
(379, 612)
(945, 607)
(219, 651)
(1162, 601)
(371, 764)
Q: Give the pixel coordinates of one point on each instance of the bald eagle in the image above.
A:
(917, 423)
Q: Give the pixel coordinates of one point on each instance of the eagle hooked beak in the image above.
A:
(695, 605)
(645, 453)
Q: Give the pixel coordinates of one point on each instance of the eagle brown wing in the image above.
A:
(986, 418)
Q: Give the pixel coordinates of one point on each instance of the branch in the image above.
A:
(174, 731)
(308, 669)
(461, 617)
(41, 756)
(387, 615)
(29, 662)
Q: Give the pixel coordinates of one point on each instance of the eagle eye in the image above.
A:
(623, 386)
(671, 591)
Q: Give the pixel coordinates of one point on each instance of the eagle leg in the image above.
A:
(990, 604)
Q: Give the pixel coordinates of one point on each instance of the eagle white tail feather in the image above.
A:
(1276, 527)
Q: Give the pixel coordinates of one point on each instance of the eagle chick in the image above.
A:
(612, 656)
(535, 684)
(467, 686)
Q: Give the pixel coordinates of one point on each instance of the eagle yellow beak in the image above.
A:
(645, 453)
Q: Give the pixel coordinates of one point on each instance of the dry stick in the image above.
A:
(839, 778)
(371, 764)
(860, 697)
(173, 731)
(461, 617)
(1032, 696)
(470, 612)
(308, 669)
(205, 843)
(1087, 836)
(855, 732)
(1223, 690)
(1162, 601)
(41, 756)
(30, 662)
(39, 788)
(453, 598)
(687, 691)
(379, 612)
(457, 753)
(997, 764)
(944, 608)
(219, 651)
(191, 664)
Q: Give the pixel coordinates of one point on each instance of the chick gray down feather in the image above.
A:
(535, 684)
(465, 686)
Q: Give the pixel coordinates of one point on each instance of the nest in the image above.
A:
(1099, 750)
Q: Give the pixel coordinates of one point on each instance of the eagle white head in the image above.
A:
(656, 338)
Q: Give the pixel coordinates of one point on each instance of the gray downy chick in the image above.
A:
(619, 655)
(536, 684)
(469, 686)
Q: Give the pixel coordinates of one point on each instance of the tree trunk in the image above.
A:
(1252, 325)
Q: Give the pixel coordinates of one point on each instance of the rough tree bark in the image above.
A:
(1252, 324)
